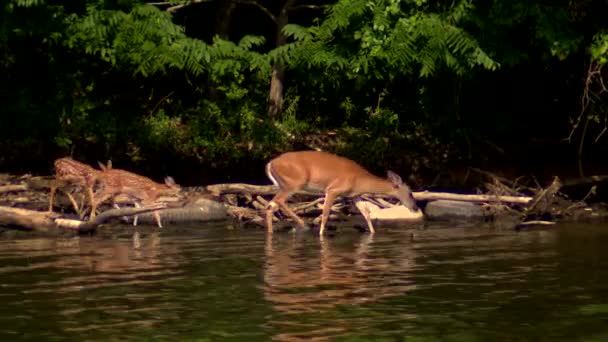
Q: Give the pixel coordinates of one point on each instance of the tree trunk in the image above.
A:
(222, 29)
(275, 105)
(224, 18)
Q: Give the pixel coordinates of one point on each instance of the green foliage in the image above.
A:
(115, 78)
(599, 48)
(29, 3)
(594, 309)
(385, 38)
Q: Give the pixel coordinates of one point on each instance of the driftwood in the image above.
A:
(246, 214)
(13, 188)
(545, 196)
(247, 203)
(45, 222)
(543, 204)
(429, 196)
(502, 198)
(240, 188)
(586, 180)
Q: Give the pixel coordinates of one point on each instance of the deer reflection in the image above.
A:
(141, 253)
(138, 254)
(300, 278)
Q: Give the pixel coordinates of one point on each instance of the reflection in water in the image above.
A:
(302, 277)
(297, 280)
(101, 261)
(214, 283)
(86, 264)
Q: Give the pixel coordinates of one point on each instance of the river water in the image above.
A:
(220, 283)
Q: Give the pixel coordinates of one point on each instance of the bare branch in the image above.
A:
(160, 101)
(604, 129)
(174, 8)
(314, 7)
(240, 188)
(258, 5)
(86, 226)
(13, 188)
(594, 78)
(584, 101)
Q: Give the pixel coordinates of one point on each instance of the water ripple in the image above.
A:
(209, 282)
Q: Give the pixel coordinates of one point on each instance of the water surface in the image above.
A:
(210, 283)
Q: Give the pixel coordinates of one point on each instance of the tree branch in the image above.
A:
(315, 7)
(262, 8)
(174, 8)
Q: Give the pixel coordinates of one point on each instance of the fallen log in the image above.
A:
(431, 196)
(13, 188)
(27, 219)
(240, 188)
(45, 222)
(585, 180)
(545, 196)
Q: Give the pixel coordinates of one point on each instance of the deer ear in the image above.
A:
(103, 167)
(169, 180)
(394, 178)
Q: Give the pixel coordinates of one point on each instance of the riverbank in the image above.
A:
(24, 201)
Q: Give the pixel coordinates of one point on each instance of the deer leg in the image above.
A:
(124, 218)
(56, 185)
(155, 213)
(90, 199)
(330, 197)
(96, 203)
(83, 209)
(52, 195)
(157, 217)
(279, 201)
(73, 201)
(135, 217)
(293, 215)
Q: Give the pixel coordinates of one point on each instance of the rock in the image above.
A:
(453, 210)
(395, 213)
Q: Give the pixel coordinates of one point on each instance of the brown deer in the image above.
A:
(71, 172)
(334, 175)
(142, 190)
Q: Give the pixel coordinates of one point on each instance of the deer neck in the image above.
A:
(371, 185)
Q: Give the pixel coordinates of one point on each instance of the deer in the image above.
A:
(331, 174)
(71, 172)
(142, 190)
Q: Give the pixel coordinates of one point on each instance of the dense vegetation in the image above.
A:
(208, 90)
